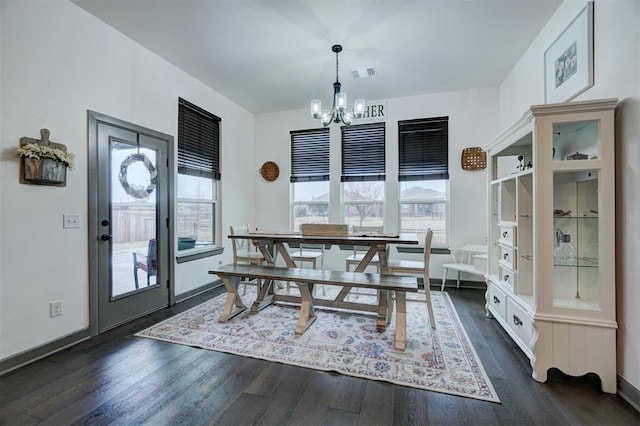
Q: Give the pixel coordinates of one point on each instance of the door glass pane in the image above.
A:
(134, 264)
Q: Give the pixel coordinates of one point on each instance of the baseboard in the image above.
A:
(198, 291)
(463, 284)
(23, 358)
(629, 393)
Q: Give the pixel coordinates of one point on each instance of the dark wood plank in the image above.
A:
(410, 407)
(335, 417)
(314, 402)
(377, 406)
(349, 394)
(244, 410)
(208, 398)
(293, 384)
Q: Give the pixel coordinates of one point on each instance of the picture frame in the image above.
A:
(568, 62)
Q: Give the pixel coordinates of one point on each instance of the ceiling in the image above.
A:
(270, 56)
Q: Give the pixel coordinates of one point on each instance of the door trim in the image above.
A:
(93, 119)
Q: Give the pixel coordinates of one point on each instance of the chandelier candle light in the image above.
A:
(339, 112)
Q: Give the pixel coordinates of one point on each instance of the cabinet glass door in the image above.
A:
(576, 277)
(576, 140)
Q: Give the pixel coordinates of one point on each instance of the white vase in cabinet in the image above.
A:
(551, 274)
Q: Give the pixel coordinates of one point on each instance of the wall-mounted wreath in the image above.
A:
(138, 191)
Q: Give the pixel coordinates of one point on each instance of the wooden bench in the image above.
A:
(305, 279)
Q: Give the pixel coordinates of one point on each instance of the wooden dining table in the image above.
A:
(271, 242)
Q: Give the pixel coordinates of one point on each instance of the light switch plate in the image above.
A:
(71, 221)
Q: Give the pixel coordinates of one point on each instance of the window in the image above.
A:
(363, 174)
(309, 177)
(198, 175)
(424, 176)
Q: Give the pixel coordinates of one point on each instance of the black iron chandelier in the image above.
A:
(339, 112)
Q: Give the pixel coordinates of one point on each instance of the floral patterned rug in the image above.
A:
(440, 360)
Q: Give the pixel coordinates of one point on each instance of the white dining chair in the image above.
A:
(358, 253)
(416, 267)
(242, 251)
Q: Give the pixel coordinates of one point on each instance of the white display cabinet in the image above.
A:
(551, 260)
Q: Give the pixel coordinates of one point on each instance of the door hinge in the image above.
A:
(168, 284)
(167, 221)
(167, 162)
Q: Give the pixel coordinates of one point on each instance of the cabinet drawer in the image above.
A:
(507, 235)
(508, 257)
(498, 301)
(520, 322)
(507, 277)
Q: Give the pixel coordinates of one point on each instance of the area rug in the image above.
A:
(441, 360)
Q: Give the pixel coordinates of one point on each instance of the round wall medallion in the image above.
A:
(270, 171)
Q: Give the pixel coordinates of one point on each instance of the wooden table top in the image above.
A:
(349, 239)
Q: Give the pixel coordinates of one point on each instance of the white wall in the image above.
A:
(57, 62)
(472, 122)
(617, 74)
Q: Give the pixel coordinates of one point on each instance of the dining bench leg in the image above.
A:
(233, 305)
(401, 320)
(265, 296)
(307, 314)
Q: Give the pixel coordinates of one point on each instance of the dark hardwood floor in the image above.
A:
(116, 378)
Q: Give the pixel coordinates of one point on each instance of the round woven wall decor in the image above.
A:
(270, 171)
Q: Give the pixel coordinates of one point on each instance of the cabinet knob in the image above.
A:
(517, 321)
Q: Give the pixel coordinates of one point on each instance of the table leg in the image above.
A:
(383, 309)
(263, 246)
(383, 258)
(307, 314)
(401, 320)
(233, 299)
(367, 259)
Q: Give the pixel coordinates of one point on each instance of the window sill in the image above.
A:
(198, 253)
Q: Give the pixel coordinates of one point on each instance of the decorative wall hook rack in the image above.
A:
(44, 162)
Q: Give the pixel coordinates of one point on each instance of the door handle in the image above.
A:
(105, 237)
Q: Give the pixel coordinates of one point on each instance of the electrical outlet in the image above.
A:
(55, 308)
(71, 221)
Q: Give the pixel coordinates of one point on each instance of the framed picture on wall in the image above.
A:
(568, 62)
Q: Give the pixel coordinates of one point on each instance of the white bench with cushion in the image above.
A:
(465, 261)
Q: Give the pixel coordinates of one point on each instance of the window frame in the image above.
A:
(310, 162)
(198, 154)
(424, 160)
(363, 159)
